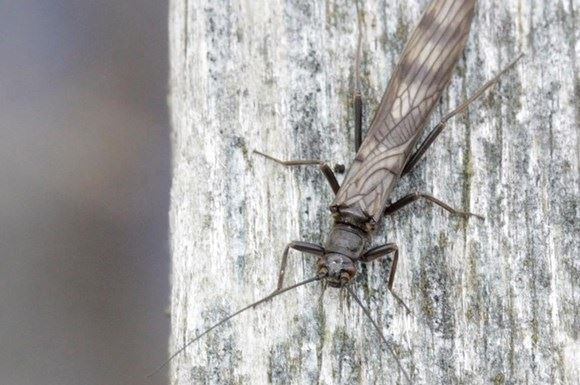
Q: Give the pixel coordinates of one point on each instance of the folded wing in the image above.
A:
(423, 71)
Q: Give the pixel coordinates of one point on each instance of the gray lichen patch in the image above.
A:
(297, 356)
(434, 285)
(347, 361)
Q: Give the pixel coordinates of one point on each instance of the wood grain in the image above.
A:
(494, 302)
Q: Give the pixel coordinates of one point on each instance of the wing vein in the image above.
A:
(418, 80)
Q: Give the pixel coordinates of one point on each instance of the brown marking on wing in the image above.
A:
(420, 76)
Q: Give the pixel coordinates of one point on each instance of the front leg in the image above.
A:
(381, 251)
(305, 247)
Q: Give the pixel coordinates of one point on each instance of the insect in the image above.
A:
(386, 154)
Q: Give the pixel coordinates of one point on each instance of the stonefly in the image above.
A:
(386, 154)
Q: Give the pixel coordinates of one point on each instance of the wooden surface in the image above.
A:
(494, 301)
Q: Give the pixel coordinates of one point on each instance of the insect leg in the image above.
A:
(461, 108)
(358, 115)
(358, 104)
(410, 198)
(305, 247)
(324, 167)
(380, 251)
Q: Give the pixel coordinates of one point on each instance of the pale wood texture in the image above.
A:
(494, 301)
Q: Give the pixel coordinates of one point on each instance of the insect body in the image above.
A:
(423, 71)
(386, 154)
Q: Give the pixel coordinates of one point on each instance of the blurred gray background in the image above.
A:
(84, 183)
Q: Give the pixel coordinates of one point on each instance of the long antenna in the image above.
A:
(259, 302)
(389, 348)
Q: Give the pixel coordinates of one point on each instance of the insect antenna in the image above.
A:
(221, 322)
(378, 329)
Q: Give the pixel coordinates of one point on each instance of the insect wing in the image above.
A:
(420, 76)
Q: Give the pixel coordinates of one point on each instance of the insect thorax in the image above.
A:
(346, 239)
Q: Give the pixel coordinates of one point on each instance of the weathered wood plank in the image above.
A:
(494, 302)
